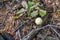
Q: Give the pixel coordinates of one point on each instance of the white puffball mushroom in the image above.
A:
(38, 21)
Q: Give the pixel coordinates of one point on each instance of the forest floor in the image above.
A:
(10, 21)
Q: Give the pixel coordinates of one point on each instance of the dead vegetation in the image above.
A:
(16, 20)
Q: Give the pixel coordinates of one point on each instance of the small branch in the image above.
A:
(21, 26)
(33, 33)
(55, 31)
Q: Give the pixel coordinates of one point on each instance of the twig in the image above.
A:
(54, 26)
(21, 26)
(55, 31)
(33, 33)
(18, 34)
